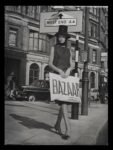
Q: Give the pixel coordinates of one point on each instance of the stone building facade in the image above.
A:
(27, 51)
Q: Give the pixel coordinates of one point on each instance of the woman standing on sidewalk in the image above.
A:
(61, 63)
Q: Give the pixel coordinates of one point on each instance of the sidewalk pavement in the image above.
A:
(31, 123)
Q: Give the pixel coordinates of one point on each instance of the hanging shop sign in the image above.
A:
(50, 21)
(64, 89)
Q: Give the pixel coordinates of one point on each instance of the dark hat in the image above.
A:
(63, 31)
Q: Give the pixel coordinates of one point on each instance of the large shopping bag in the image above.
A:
(64, 89)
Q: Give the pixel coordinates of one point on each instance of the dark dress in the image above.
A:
(62, 61)
(61, 57)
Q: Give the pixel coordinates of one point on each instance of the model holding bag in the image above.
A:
(61, 63)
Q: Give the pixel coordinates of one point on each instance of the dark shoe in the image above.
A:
(65, 137)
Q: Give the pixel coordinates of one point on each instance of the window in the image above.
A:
(43, 8)
(25, 10)
(91, 9)
(46, 73)
(93, 30)
(38, 42)
(12, 37)
(37, 12)
(44, 43)
(94, 56)
(102, 64)
(33, 73)
(92, 80)
(17, 9)
(33, 40)
(32, 11)
(95, 11)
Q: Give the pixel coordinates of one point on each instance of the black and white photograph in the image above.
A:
(56, 75)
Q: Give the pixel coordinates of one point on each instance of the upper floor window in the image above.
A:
(102, 64)
(91, 9)
(32, 11)
(33, 40)
(42, 42)
(13, 37)
(26, 10)
(92, 80)
(43, 8)
(94, 56)
(37, 12)
(93, 30)
(95, 11)
(38, 42)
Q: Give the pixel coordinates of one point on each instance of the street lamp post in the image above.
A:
(75, 106)
(84, 106)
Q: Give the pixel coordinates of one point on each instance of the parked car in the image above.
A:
(94, 94)
(38, 90)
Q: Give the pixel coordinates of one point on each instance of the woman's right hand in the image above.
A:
(63, 75)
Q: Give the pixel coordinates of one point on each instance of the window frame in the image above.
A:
(33, 70)
(33, 38)
(13, 29)
(92, 80)
(43, 10)
(93, 30)
(94, 52)
(43, 40)
(46, 71)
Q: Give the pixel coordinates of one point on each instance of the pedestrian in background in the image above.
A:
(10, 86)
(89, 97)
(102, 93)
(61, 63)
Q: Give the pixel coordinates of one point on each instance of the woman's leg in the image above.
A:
(66, 119)
(58, 122)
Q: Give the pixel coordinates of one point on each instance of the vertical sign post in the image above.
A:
(75, 106)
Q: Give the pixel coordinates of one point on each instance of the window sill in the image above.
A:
(38, 52)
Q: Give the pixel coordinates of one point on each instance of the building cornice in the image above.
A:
(21, 18)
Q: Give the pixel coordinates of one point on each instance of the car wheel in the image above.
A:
(31, 98)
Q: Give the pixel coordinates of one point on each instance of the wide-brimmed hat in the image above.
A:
(63, 31)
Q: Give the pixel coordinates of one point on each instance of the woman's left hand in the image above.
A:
(67, 73)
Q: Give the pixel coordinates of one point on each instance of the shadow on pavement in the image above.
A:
(102, 138)
(31, 108)
(31, 123)
(16, 105)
